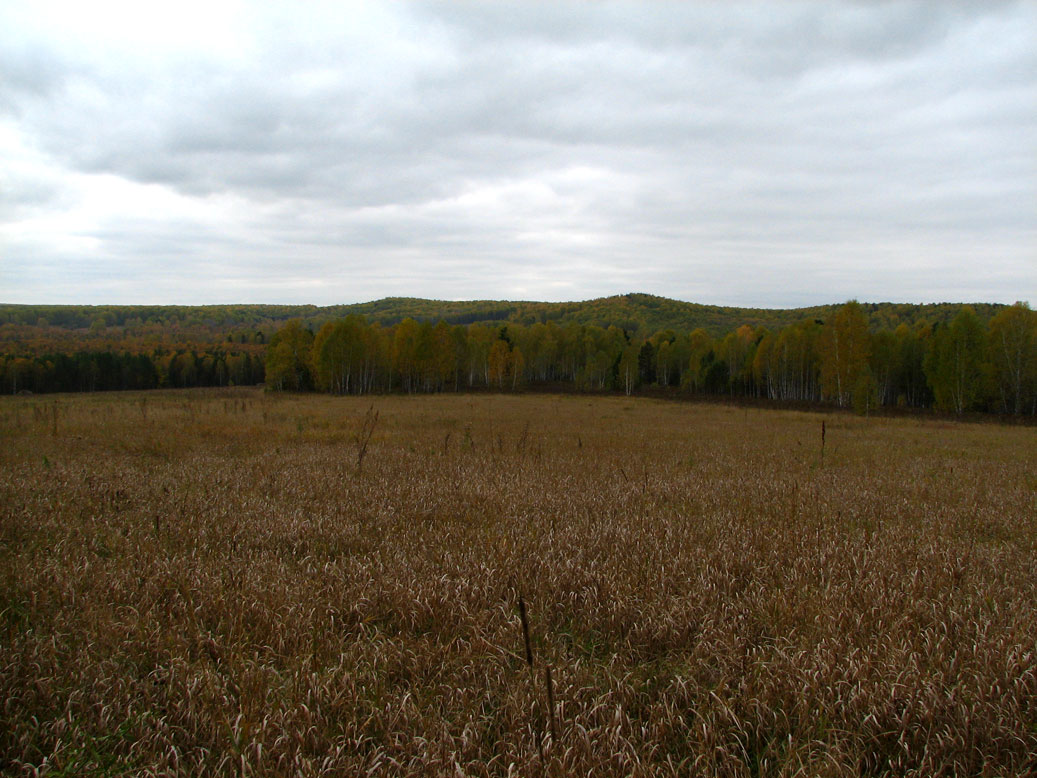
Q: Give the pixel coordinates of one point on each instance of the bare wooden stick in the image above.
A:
(532, 677)
(525, 633)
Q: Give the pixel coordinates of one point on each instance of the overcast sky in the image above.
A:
(770, 154)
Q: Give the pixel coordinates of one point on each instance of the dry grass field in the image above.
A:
(214, 583)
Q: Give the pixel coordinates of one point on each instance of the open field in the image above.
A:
(213, 583)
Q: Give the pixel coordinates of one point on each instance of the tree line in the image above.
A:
(958, 366)
(106, 370)
(959, 363)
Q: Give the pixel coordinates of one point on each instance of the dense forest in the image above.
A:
(952, 357)
(958, 366)
(638, 314)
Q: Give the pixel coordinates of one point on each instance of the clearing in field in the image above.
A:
(242, 583)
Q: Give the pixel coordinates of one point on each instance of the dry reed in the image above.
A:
(210, 588)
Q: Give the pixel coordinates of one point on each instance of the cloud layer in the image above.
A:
(749, 154)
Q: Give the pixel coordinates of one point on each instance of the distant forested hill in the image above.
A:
(643, 314)
(950, 356)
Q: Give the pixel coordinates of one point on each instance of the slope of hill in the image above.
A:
(634, 312)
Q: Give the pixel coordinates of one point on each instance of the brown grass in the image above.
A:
(209, 583)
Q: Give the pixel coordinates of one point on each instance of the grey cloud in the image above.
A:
(27, 74)
(732, 134)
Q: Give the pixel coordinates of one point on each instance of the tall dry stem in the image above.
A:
(363, 436)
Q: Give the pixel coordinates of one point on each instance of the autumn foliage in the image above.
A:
(956, 364)
(957, 367)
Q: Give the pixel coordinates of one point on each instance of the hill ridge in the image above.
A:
(634, 311)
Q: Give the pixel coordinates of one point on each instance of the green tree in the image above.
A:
(542, 345)
(646, 365)
(699, 345)
(425, 358)
(911, 386)
(1013, 355)
(500, 363)
(668, 352)
(796, 355)
(405, 353)
(954, 364)
(444, 360)
(518, 368)
(338, 355)
(865, 392)
(738, 349)
(19, 370)
(477, 354)
(762, 365)
(883, 365)
(630, 364)
(844, 349)
(288, 358)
